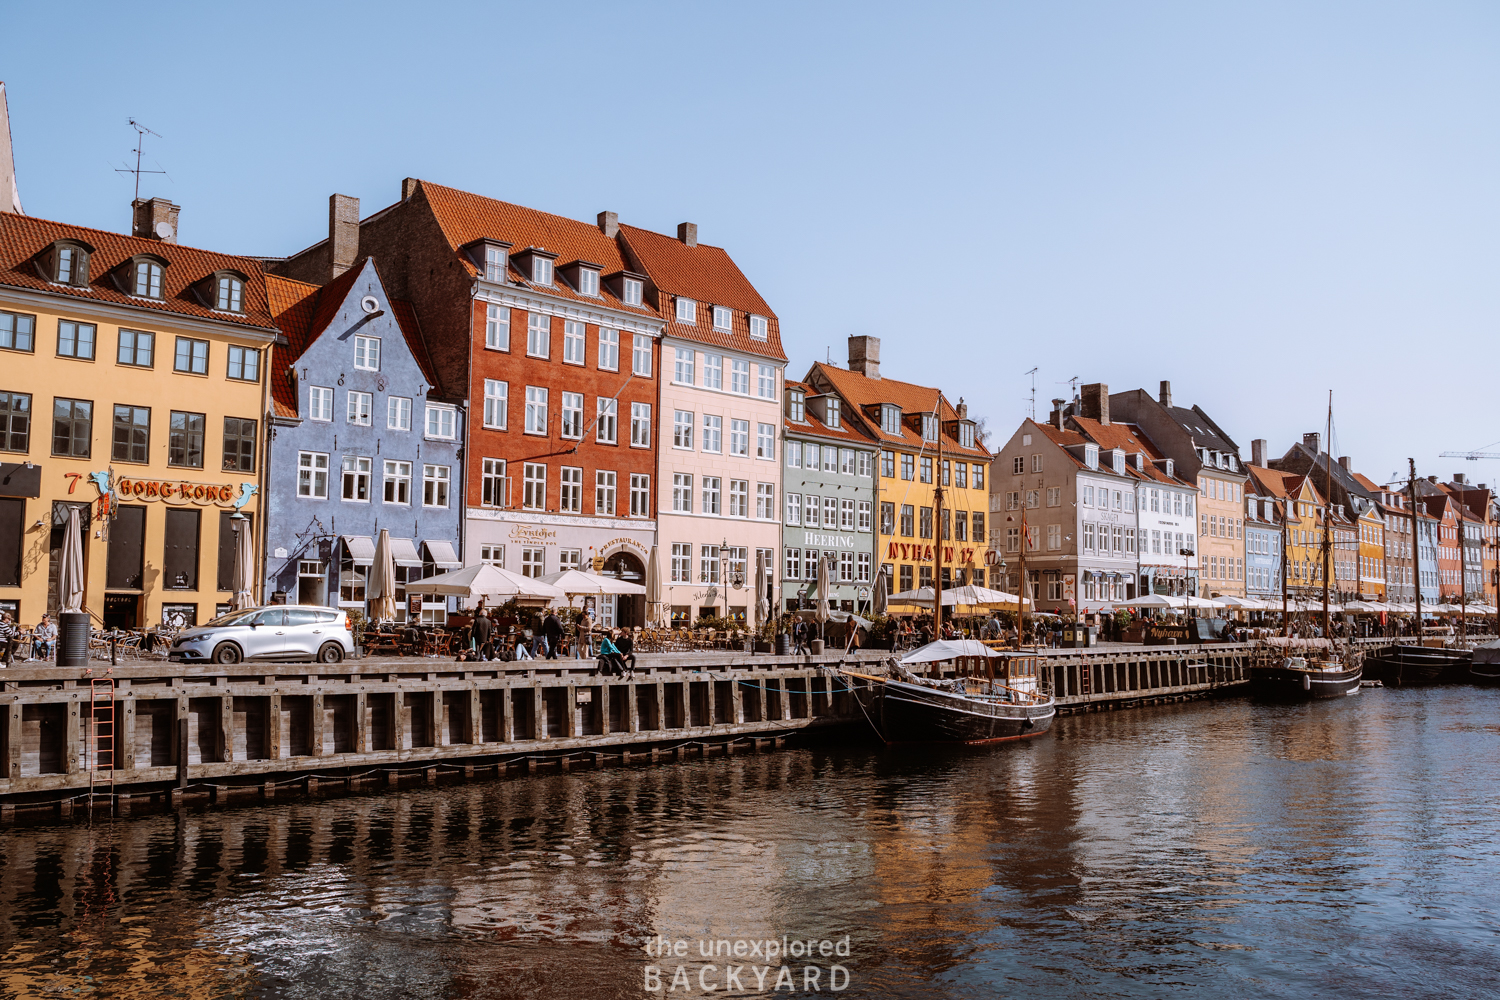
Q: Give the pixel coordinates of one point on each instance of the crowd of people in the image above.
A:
(486, 637)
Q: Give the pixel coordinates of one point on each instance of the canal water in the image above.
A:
(1210, 849)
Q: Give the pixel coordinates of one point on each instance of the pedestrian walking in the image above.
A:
(552, 631)
(481, 631)
(8, 634)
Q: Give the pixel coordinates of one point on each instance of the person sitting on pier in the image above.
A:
(626, 645)
(43, 637)
(610, 663)
(9, 635)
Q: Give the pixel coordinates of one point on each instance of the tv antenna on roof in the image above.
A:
(1032, 373)
(140, 142)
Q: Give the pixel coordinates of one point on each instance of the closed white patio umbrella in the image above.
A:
(70, 572)
(382, 592)
(244, 565)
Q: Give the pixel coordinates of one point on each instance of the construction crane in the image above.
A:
(1472, 456)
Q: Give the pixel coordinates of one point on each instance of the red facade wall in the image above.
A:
(516, 447)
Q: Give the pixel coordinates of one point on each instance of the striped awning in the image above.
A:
(361, 549)
(443, 555)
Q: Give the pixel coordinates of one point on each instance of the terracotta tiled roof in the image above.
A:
(851, 431)
(708, 276)
(1270, 483)
(861, 391)
(465, 217)
(1364, 481)
(1125, 437)
(24, 240)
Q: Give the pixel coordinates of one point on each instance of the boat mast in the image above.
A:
(937, 530)
(1463, 577)
(1416, 544)
(1286, 515)
(1328, 520)
(1022, 590)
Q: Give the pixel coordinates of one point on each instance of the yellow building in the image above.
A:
(908, 423)
(1370, 527)
(134, 391)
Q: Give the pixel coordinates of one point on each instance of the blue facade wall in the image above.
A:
(1262, 562)
(307, 531)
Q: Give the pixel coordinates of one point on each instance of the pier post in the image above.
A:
(570, 717)
(275, 739)
(13, 741)
(710, 703)
(226, 729)
(661, 706)
(400, 740)
(73, 738)
(507, 711)
(632, 708)
(736, 702)
(361, 723)
(315, 726)
(182, 745)
(474, 724)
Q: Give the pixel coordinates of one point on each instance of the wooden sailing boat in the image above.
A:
(1322, 670)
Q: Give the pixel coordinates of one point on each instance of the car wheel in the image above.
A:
(331, 652)
(227, 652)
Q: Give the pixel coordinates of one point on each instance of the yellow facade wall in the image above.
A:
(47, 376)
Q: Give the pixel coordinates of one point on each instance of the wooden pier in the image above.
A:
(104, 738)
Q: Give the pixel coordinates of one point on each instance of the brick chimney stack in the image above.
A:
(1461, 478)
(1057, 413)
(1347, 463)
(1313, 442)
(1095, 402)
(1166, 393)
(1258, 452)
(154, 219)
(609, 223)
(962, 409)
(864, 356)
(343, 234)
(687, 232)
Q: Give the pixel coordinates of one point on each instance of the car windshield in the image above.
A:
(234, 618)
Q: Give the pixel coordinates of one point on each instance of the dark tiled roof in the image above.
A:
(707, 275)
(25, 239)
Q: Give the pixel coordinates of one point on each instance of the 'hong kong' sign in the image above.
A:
(123, 489)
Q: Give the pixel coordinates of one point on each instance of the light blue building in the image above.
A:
(356, 444)
(1262, 546)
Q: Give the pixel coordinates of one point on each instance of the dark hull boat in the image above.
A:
(917, 713)
(1294, 679)
(1485, 667)
(1407, 666)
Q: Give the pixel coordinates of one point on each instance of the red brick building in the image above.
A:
(535, 323)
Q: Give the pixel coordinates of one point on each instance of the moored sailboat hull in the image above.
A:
(1284, 683)
(913, 713)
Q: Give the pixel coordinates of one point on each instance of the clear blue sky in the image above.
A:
(1257, 201)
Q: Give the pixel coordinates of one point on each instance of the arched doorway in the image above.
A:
(630, 610)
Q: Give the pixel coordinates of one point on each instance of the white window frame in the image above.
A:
(682, 429)
(739, 498)
(494, 484)
(683, 362)
(723, 319)
(739, 376)
(640, 425)
(312, 475)
(541, 270)
(536, 410)
(682, 493)
(766, 381)
(606, 420)
(367, 354)
(575, 342)
(682, 562)
(497, 327)
(496, 404)
(640, 355)
(712, 493)
(765, 501)
(320, 403)
(604, 492)
(687, 310)
(633, 289)
(713, 371)
(758, 327)
(640, 494)
(765, 441)
(398, 475)
(437, 482)
(866, 516)
(588, 281)
(441, 423)
(739, 438)
(713, 434)
(358, 406)
(570, 425)
(398, 413)
(538, 335)
(356, 469)
(534, 486)
(609, 349)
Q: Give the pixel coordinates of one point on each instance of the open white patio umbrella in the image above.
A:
(1243, 603)
(243, 574)
(577, 583)
(484, 580)
(948, 649)
(382, 592)
(1203, 602)
(1153, 601)
(70, 572)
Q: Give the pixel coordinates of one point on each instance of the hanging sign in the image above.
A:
(114, 490)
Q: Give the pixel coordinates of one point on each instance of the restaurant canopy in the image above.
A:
(484, 580)
(1153, 601)
(575, 582)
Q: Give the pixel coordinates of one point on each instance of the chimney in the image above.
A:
(154, 219)
(864, 356)
(1313, 442)
(1432, 479)
(609, 223)
(408, 187)
(962, 408)
(687, 232)
(1095, 399)
(1345, 461)
(343, 233)
(1461, 478)
(1258, 452)
(1166, 393)
(1057, 413)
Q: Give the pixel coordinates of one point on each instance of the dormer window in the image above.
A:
(229, 293)
(1091, 456)
(796, 404)
(69, 263)
(831, 415)
(541, 271)
(965, 434)
(929, 427)
(633, 290)
(1170, 469)
(757, 328)
(722, 319)
(890, 418)
(1117, 461)
(496, 260)
(588, 281)
(1140, 461)
(145, 278)
(687, 310)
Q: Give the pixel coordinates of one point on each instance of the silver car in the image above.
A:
(279, 632)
